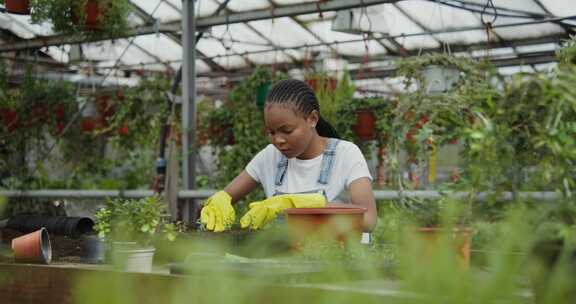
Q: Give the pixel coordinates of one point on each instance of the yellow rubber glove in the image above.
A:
(218, 213)
(263, 212)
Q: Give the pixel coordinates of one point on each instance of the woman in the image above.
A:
(305, 165)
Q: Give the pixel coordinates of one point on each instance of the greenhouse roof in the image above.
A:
(298, 35)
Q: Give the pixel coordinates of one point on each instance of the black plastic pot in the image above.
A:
(60, 225)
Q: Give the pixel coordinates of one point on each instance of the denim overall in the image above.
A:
(325, 170)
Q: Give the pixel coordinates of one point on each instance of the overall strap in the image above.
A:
(281, 169)
(327, 161)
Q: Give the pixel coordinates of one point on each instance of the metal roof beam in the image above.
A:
(567, 28)
(415, 21)
(175, 26)
(453, 47)
(274, 6)
(150, 20)
(255, 31)
(468, 5)
(528, 59)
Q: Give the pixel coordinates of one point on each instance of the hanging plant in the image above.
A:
(84, 17)
(331, 93)
(567, 54)
(424, 120)
(21, 7)
(139, 108)
(525, 137)
(458, 71)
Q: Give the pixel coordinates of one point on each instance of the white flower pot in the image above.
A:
(89, 108)
(132, 259)
(440, 79)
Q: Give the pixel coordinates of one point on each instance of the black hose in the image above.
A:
(60, 225)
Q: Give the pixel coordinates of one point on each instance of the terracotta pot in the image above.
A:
(21, 7)
(33, 247)
(365, 127)
(459, 238)
(38, 114)
(342, 225)
(225, 133)
(328, 84)
(10, 119)
(88, 124)
(92, 13)
(105, 106)
(123, 129)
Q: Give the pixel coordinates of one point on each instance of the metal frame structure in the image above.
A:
(183, 32)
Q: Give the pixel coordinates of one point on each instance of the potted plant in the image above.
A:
(9, 111)
(21, 7)
(130, 227)
(85, 17)
(316, 225)
(221, 126)
(567, 54)
(437, 219)
(365, 126)
(437, 73)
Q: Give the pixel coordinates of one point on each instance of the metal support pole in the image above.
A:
(188, 104)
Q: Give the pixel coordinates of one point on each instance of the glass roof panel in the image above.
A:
(112, 51)
(288, 2)
(537, 48)
(528, 6)
(324, 30)
(13, 25)
(467, 37)
(238, 6)
(316, 16)
(359, 49)
(528, 31)
(59, 54)
(243, 48)
(237, 32)
(497, 52)
(269, 58)
(436, 16)
(204, 8)
(161, 46)
(158, 9)
(177, 4)
(545, 67)
(210, 47)
(560, 7)
(509, 70)
(417, 42)
(399, 23)
(231, 61)
(24, 22)
(284, 32)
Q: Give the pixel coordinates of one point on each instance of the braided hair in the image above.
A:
(299, 94)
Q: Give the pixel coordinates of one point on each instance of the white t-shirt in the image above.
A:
(302, 174)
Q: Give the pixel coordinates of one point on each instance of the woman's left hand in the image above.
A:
(263, 212)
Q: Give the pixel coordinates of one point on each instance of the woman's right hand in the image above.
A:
(218, 214)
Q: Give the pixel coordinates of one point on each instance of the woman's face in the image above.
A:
(289, 131)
